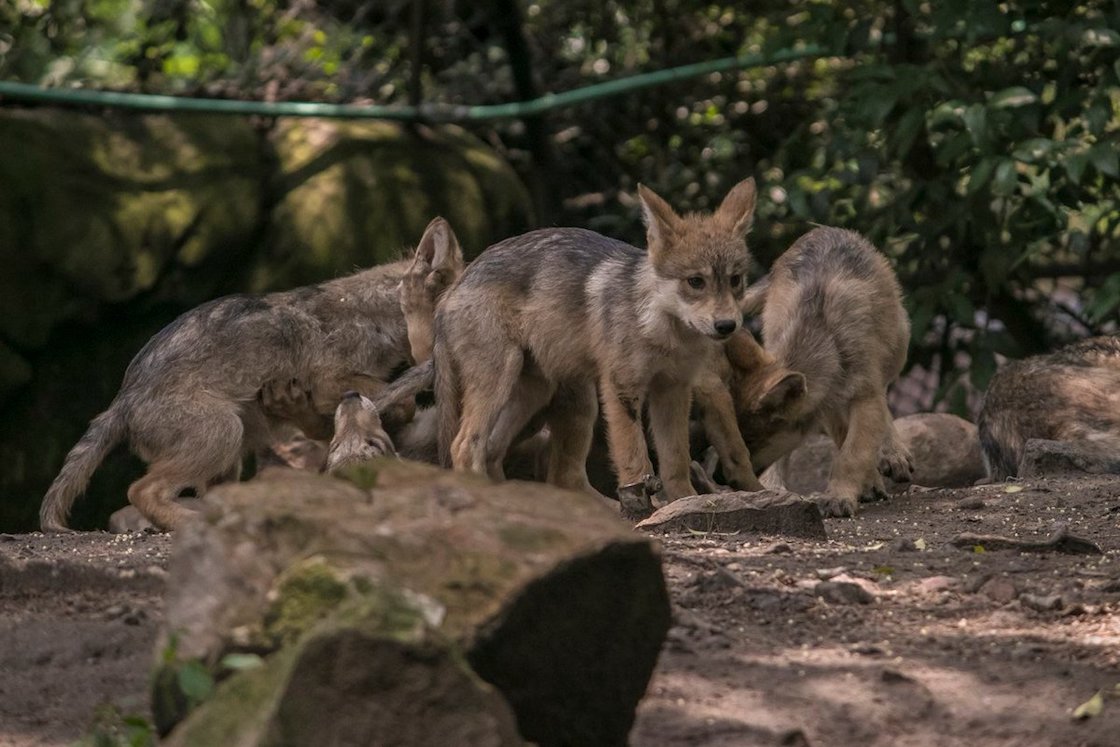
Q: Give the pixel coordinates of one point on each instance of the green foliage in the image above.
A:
(974, 141)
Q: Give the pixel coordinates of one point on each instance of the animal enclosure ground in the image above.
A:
(885, 634)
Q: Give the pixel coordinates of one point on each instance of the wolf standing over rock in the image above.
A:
(1070, 395)
(537, 321)
(832, 310)
(190, 403)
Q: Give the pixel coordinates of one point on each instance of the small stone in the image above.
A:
(999, 589)
(1048, 603)
(824, 574)
(935, 584)
(843, 592)
(765, 512)
(894, 676)
(868, 649)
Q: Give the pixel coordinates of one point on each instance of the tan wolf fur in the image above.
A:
(190, 401)
(539, 321)
(1072, 394)
(831, 311)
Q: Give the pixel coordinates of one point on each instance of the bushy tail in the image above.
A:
(406, 386)
(447, 403)
(106, 431)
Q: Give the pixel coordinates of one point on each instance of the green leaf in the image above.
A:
(1012, 97)
(1100, 38)
(195, 682)
(981, 174)
(241, 662)
(976, 122)
(1075, 164)
(1034, 150)
(1103, 156)
(1091, 707)
(960, 309)
(1006, 179)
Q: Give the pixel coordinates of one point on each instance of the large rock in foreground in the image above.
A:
(417, 606)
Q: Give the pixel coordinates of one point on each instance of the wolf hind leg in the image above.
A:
(486, 389)
(529, 397)
(201, 455)
(571, 426)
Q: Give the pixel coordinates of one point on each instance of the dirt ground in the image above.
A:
(909, 640)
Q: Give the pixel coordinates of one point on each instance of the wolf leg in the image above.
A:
(192, 454)
(718, 416)
(854, 472)
(571, 425)
(486, 392)
(668, 419)
(622, 410)
(528, 397)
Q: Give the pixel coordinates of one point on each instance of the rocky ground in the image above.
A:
(887, 633)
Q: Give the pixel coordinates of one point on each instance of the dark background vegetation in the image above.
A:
(975, 142)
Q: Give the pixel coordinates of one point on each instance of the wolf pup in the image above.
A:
(1072, 394)
(538, 320)
(189, 401)
(832, 312)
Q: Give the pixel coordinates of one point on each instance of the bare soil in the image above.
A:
(884, 634)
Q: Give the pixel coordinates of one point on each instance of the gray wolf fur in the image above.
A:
(1072, 394)
(189, 403)
(832, 312)
(539, 321)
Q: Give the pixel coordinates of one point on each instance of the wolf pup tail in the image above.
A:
(447, 404)
(106, 431)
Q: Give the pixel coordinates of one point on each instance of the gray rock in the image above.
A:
(946, 449)
(1042, 457)
(410, 606)
(768, 512)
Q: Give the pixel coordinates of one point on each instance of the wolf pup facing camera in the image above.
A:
(831, 311)
(538, 321)
(190, 401)
(1072, 394)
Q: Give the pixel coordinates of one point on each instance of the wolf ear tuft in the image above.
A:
(784, 393)
(736, 212)
(439, 247)
(660, 219)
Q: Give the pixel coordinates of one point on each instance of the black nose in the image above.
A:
(350, 394)
(726, 326)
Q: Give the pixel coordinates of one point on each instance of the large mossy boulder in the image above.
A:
(112, 224)
(416, 602)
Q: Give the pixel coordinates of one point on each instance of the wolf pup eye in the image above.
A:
(696, 282)
(735, 280)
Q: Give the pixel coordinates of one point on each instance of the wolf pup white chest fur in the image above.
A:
(190, 402)
(539, 320)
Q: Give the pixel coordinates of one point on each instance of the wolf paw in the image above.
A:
(832, 505)
(874, 494)
(897, 464)
(703, 481)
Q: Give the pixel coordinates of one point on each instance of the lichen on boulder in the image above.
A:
(538, 597)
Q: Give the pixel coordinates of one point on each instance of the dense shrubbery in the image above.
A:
(975, 141)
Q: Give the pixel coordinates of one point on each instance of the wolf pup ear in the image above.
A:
(736, 212)
(660, 219)
(439, 248)
(784, 393)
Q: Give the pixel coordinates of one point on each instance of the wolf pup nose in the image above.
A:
(726, 327)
